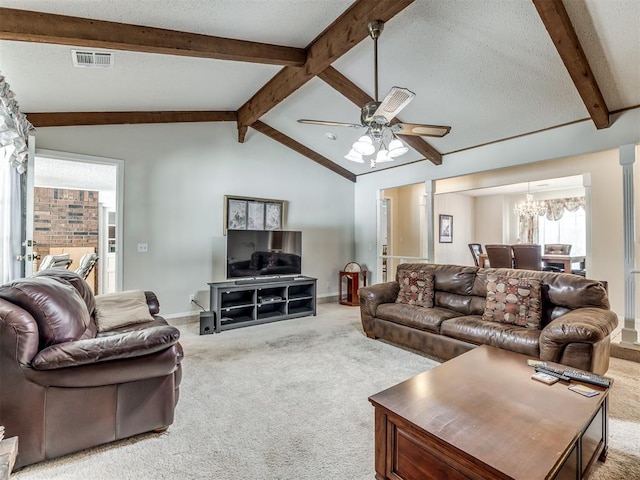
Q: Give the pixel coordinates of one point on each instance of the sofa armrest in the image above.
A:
(103, 349)
(582, 325)
(374, 295)
(152, 302)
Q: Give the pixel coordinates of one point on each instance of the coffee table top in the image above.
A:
(485, 404)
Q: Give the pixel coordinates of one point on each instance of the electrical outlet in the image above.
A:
(192, 297)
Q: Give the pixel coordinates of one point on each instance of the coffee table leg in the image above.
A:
(605, 411)
(380, 444)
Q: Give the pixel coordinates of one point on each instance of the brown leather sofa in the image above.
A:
(575, 328)
(64, 386)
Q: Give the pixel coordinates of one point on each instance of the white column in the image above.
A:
(627, 155)
(430, 222)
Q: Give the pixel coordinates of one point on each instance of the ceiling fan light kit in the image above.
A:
(380, 142)
(354, 156)
(364, 145)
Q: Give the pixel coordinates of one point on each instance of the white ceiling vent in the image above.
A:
(88, 58)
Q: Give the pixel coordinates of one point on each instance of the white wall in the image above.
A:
(176, 176)
(461, 207)
(489, 226)
(571, 141)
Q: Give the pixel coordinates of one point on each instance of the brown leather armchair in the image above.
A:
(64, 386)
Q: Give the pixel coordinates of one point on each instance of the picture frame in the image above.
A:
(237, 214)
(446, 228)
(273, 216)
(248, 213)
(255, 215)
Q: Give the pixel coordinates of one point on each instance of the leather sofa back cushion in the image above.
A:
(447, 278)
(76, 281)
(513, 300)
(114, 310)
(57, 307)
(416, 288)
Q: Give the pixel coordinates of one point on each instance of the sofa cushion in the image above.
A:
(416, 288)
(428, 319)
(473, 329)
(76, 281)
(56, 306)
(114, 310)
(515, 300)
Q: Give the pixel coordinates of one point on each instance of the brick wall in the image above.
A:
(65, 218)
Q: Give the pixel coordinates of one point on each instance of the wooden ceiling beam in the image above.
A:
(358, 96)
(301, 149)
(66, 119)
(558, 24)
(344, 33)
(39, 27)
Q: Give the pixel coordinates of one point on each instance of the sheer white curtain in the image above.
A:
(10, 219)
(14, 131)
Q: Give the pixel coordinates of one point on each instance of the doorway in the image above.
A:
(403, 233)
(77, 211)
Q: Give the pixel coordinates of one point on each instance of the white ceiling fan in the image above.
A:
(380, 141)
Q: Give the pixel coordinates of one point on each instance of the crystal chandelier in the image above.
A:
(530, 208)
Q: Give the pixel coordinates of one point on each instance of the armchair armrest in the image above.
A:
(582, 325)
(152, 301)
(102, 349)
(374, 295)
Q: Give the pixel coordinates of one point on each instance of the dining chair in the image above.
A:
(499, 256)
(527, 256)
(555, 249)
(476, 250)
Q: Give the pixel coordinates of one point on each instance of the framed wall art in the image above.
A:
(237, 214)
(446, 229)
(247, 213)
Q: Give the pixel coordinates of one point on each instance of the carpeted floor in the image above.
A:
(288, 400)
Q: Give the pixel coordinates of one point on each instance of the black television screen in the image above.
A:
(252, 253)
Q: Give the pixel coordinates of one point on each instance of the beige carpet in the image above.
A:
(288, 400)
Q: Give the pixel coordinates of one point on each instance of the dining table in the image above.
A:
(565, 260)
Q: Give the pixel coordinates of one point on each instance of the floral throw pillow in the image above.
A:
(416, 288)
(513, 300)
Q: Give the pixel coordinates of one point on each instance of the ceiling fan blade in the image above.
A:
(421, 130)
(394, 102)
(329, 124)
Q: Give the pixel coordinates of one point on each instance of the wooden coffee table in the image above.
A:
(481, 416)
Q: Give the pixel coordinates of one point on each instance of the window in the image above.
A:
(570, 228)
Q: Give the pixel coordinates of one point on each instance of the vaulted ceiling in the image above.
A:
(492, 69)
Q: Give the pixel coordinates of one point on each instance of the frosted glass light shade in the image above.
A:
(354, 156)
(397, 148)
(383, 156)
(364, 145)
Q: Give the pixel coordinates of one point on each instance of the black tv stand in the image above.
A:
(252, 301)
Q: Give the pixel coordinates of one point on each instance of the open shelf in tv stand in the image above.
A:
(241, 305)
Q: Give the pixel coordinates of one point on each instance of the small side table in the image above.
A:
(349, 295)
(8, 453)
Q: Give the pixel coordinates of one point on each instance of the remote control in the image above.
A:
(552, 371)
(588, 377)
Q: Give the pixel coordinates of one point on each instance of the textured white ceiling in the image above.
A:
(486, 67)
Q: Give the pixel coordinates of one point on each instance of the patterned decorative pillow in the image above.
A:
(416, 288)
(513, 300)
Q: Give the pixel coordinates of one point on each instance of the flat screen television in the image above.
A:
(254, 253)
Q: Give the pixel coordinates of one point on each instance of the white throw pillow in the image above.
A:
(118, 309)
